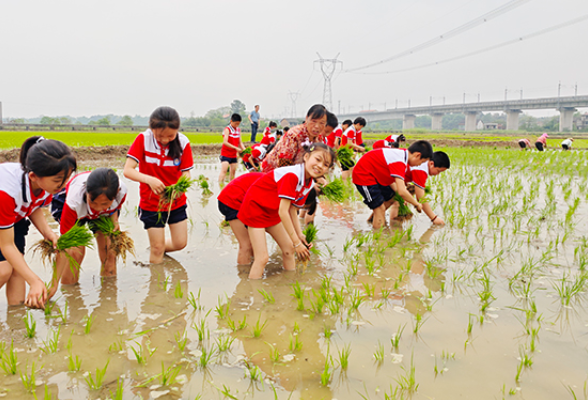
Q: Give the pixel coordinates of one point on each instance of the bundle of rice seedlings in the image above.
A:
(310, 233)
(173, 192)
(77, 236)
(345, 156)
(334, 190)
(120, 242)
(246, 151)
(403, 210)
(204, 186)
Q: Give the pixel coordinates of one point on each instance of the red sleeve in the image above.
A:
(419, 178)
(287, 186)
(68, 219)
(187, 159)
(397, 169)
(7, 216)
(121, 202)
(137, 149)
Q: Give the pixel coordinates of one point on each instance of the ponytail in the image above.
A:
(102, 181)
(46, 157)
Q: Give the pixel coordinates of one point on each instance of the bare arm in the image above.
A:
(38, 219)
(38, 292)
(131, 173)
(291, 224)
(226, 140)
(420, 193)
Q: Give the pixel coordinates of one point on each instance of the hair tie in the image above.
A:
(40, 139)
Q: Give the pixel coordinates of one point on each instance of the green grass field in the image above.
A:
(10, 140)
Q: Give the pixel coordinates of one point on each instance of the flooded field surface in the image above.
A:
(491, 306)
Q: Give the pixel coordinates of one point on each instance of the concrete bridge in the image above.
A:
(512, 108)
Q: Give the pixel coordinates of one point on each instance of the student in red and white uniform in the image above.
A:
(232, 144)
(253, 160)
(333, 131)
(271, 203)
(87, 196)
(269, 134)
(392, 141)
(349, 138)
(229, 204)
(25, 187)
(163, 155)
(378, 169)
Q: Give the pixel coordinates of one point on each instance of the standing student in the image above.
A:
(567, 144)
(254, 119)
(163, 155)
(541, 142)
(231, 145)
(418, 175)
(270, 206)
(378, 169)
(349, 138)
(87, 196)
(229, 204)
(25, 187)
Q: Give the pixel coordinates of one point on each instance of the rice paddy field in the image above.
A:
(490, 306)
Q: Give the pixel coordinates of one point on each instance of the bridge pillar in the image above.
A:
(512, 120)
(470, 121)
(436, 121)
(566, 119)
(408, 121)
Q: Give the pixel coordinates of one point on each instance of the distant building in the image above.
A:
(581, 122)
(490, 126)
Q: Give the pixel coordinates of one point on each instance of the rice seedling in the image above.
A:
(407, 381)
(203, 183)
(221, 309)
(120, 241)
(356, 300)
(298, 291)
(317, 305)
(379, 353)
(178, 292)
(195, 301)
(327, 371)
(181, 340)
(334, 190)
(174, 192)
(168, 376)
(396, 337)
(205, 357)
(259, 327)
(310, 233)
(139, 354)
(295, 343)
(274, 353)
(52, 341)
(89, 320)
(268, 296)
(252, 370)
(224, 342)
(418, 322)
(201, 329)
(344, 356)
(226, 392)
(74, 363)
(8, 359)
(118, 394)
(48, 396)
(300, 306)
(117, 346)
(28, 380)
(327, 332)
(345, 156)
(30, 325)
(95, 382)
(77, 236)
(237, 327)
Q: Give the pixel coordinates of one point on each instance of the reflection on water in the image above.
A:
(448, 299)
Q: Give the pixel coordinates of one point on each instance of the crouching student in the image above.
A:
(392, 141)
(541, 142)
(418, 175)
(524, 144)
(87, 196)
(378, 169)
(271, 203)
(25, 187)
(229, 204)
(163, 156)
(567, 144)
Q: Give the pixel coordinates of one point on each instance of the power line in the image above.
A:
(494, 47)
(449, 34)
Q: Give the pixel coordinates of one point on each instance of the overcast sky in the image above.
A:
(83, 58)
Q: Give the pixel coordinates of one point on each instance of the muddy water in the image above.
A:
(425, 282)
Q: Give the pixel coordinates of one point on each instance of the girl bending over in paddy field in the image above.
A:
(87, 196)
(270, 206)
(25, 187)
(163, 156)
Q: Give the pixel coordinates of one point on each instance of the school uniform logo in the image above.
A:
(177, 162)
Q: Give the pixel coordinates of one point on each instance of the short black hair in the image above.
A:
(360, 120)
(440, 159)
(423, 147)
(317, 111)
(166, 117)
(272, 124)
(332, 120)
(236, 117)
(286, 129)
(347, 122)
(102, 181)
(46, 157)
(279, 133)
